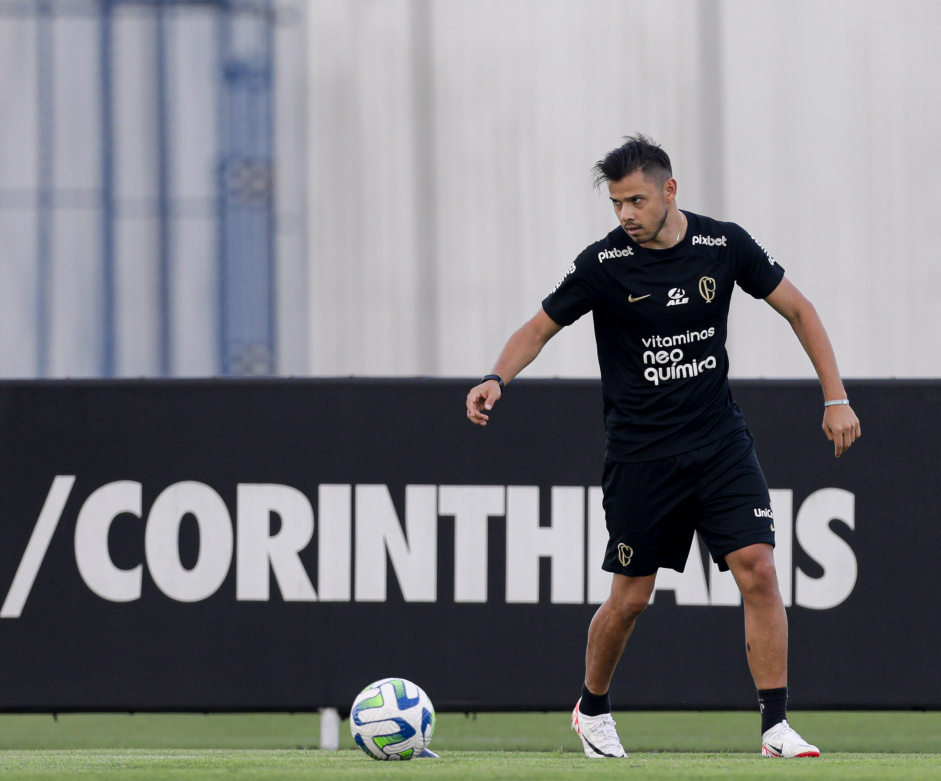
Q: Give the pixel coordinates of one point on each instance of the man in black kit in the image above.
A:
(679, 456)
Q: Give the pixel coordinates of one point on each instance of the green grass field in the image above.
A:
(905, 745)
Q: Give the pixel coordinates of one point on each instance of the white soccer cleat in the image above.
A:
(598, 734)
(782, 742)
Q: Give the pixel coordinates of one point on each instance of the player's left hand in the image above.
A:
(841, 426)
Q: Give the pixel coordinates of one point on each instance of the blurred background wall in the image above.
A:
(373, 187)
(152, 187)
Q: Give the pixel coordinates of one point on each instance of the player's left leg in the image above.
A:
(766, 648)
(737, 524)
(765, 618)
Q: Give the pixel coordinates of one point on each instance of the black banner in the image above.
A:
(277, 545)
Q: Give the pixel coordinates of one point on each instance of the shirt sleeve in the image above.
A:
(758, 272)
(576, 293)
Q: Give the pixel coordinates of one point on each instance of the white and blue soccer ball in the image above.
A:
(392, 719)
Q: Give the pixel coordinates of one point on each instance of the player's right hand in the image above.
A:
(480, 400)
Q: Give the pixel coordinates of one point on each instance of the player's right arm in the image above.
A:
(520, 350)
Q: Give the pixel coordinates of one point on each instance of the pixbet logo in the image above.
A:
(610, 254)
(709, 241)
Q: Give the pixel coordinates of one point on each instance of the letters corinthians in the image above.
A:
(344, 547)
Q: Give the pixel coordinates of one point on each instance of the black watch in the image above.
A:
(496, 377)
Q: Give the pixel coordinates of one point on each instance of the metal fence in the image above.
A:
(139, 184)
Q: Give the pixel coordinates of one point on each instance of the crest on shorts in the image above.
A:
(707, 289)
(625, 554)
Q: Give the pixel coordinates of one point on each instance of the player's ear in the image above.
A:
(669, 189)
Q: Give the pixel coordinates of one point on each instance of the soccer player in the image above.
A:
(679, 457)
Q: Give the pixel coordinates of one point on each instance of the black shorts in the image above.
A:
(652, 508)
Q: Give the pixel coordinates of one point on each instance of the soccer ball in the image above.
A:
(392, 719)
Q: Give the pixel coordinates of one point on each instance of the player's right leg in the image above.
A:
(612, 626)
(598, 733)
(607, 637)
(647, 516)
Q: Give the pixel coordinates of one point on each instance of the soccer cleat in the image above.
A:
(782, 742)
(598, 734)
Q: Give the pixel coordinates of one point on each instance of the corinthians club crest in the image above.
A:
(707, 289)
(625, 554)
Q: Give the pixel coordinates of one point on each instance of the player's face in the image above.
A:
(641, 205)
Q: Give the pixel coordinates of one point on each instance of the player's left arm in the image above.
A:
(840, 423)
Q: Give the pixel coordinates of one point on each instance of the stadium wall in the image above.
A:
(485, 117)
(276, 545)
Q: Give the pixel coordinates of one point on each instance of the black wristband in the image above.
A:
(496, 377)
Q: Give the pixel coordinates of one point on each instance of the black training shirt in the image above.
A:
(661, 318)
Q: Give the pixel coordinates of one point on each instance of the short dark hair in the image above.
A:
(638, 152)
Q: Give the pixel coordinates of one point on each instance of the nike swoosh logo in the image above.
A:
(775, 749)
(632, 299)
(597, 750)
(772, 527)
